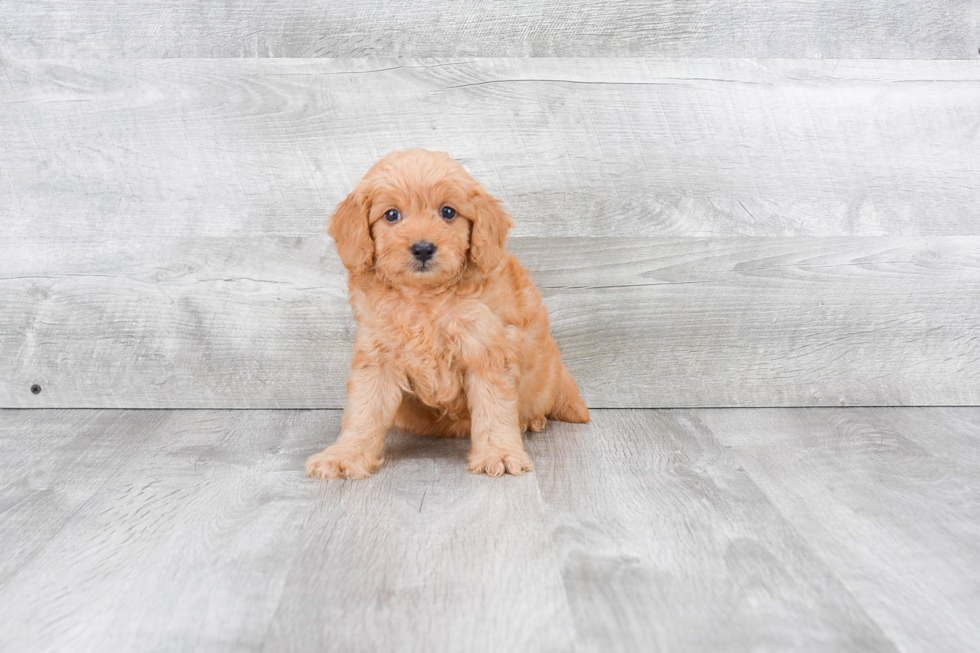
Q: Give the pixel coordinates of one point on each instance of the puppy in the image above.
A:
(452, 337)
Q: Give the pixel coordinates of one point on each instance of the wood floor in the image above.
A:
(812, 529)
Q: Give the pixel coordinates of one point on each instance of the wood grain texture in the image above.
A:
(883, 501)
(263, 322)
(52, 464)
(194, 322)
(681, 530)
(667, 545)
(940, 29)
(581, 147)
(177, 543)
(204, 535)
(427, 557)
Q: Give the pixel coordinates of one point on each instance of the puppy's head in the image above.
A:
(418, 219)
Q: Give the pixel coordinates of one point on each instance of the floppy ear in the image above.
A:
(350, 231)
(490, 225)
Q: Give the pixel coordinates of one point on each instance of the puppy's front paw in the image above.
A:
(494, 462)
(337, 462)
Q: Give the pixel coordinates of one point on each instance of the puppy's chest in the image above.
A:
(425, 346)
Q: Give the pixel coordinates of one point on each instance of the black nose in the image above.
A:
(423, 250)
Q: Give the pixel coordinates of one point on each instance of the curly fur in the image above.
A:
(458, 346)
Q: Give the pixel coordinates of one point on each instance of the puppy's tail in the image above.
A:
(569, 406)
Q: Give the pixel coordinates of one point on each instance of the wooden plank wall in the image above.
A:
(706, 231)
(843, 29)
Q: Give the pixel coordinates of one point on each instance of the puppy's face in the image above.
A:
(418, 219)
(420, 230)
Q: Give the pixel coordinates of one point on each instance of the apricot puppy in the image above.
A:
(452, 337)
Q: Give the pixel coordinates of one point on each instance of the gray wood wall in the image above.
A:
(724, 204)
(899, 29)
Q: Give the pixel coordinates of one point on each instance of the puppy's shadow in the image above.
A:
(406, 445)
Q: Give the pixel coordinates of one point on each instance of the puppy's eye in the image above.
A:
(448, 213)
(392, 215)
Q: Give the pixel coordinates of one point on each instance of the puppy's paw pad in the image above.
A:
(330, 464)
(495, 463)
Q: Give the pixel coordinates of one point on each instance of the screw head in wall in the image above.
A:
(36, 389)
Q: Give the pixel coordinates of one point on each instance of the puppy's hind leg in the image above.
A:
(568, 406)
(536, 424)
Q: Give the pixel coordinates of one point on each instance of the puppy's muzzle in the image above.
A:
(423, 251)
